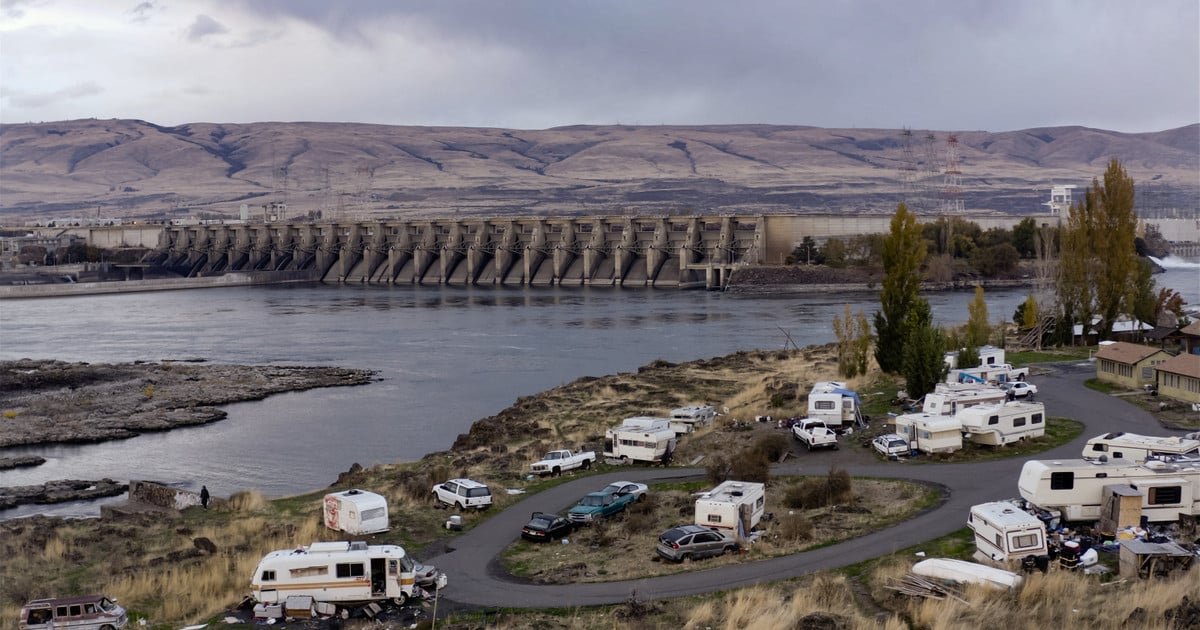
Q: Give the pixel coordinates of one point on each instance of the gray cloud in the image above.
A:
(204, 26)
(42, 99)
(141, 12)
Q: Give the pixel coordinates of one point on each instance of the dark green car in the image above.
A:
(598, 505)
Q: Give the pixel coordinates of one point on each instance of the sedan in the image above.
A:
(1019, 389)
(687, 542)
(544, 526)
(622, 488)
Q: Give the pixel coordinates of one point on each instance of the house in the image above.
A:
(1121, 328)
(1128, 365)
(1191, 337)
(1179, 378)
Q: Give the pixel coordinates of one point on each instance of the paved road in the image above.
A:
(476, 577)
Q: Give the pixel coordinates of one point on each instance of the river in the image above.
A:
(446, 357)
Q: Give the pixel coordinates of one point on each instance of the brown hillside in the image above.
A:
(135, 168)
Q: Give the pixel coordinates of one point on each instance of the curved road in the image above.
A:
(476, 577)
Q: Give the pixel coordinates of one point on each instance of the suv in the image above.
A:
(693, 541)
(890, 445)
(90, 612)
(463, 494)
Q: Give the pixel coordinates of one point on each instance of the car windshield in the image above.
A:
(541, 521)
(592, 501)
(612, 489)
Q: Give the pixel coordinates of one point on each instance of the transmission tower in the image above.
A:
(929, 171)
(908, 170)
(952, 202)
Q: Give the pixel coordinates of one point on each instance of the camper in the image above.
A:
(1001, 423)
(1139, 448)
(640, 440)
(839, 408)
(686, 419)
(948, 399)
(1005, 532)
(356, 512)
(733, 506)
(930, 433)
(1075, 487)
(339, 572)
(991, 369)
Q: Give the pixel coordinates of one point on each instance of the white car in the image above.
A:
(1019, 389)
(463, 494)
(890, 444)
(621, 488)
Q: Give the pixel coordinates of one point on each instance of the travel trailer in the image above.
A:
(991, 369)
(640, 440)
(1005, 532)
(948, 399)
(733, 506)
(1075, 487)
(356, 512)
(839, 408)
(339, 572)
(930, 433)
(686, 419)
(1139, 448)
(1001, 423)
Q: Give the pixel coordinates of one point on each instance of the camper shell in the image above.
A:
(1139, 448)
(687, 419)
(930, 433)
(356, 512)
(735, 507)
(1002, 423)
(86, 612)
(949, 399)
(640, 439)
(338, 572)
(839, 408)
(1076, 487)
(1004, 532)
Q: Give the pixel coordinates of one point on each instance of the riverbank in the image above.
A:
(818, 279)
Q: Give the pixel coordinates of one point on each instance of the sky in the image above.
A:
(952, 65)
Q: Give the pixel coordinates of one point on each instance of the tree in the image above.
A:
(903, 253)
(922, 366)
(807, 253)
(853, 343)
(1169, 303)
(835, 252)
(979, 329)
(1023, 237)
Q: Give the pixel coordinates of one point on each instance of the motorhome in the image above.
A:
(686, 419)
(338, 572)
(640, 440)
(733, 506)
(1002, 423)
(948, 399)
(356, 512)
(1005, 532)
(930, 433)
(1075, 487)
(839, 408)
(87, 612)
(1138, 448)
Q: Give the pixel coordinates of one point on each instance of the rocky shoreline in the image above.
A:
(60, 491)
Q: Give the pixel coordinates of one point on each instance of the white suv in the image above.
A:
(463, 494)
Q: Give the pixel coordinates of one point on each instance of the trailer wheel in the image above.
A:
(401, 600)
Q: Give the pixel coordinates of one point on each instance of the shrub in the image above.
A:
(772, 446)
(10, 413)
(794, 527)
(815, 492)
(247, 501)
(751, 465)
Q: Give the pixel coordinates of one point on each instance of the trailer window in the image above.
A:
(824, 405)
(1025, 541)
(268, 576)
(1037, 419)
(1165, 495)
(1019, 422)
(307, 571)
(993, 420)
(350, 569)
(714, 518)
(759, 503)
(1062, 480)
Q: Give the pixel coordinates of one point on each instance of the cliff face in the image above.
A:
(128, 168)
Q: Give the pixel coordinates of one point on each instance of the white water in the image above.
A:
(1174, 262)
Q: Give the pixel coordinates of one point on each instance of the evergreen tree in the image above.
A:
(922, 366)
(903, 253)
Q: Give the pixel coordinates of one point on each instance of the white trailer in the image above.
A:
(686, 419)
(640, 441)
(1075, 487)
(1005, 532)
(356, 512)
(338, 572)
(949, 399)
(733, 506)
(838, 407)
(930, 433)
(1138, 448)
(1003, 423)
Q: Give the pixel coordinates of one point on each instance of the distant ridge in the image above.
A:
(135, 168)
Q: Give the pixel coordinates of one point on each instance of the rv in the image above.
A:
(686, 419)
(733, 506)
(356, 512)
(1001, 423)
(949, 399)
(89, 612)
(838, 407)
(339, 572)
(1005, 532)
(640, 440)
(930, 433)
(1139, 448)
(991, 369)
(1075, 487)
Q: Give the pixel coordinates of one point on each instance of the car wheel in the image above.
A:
(459, 505)
(587, 464)
(730, 549)
(836, 446)
(107, 627)
(640, 498)
(687, 557)
(808, 445)
(556, 471)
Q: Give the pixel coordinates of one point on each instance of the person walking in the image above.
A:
(204, 496)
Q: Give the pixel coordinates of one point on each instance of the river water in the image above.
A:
(446, 356)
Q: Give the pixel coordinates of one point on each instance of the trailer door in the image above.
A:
(378, 577)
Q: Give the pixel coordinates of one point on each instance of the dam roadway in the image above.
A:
(472, 560)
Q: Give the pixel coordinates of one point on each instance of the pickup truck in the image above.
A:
(555, 462)
(596, 505)
(815, 434)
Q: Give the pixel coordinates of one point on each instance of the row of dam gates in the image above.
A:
(678, 252)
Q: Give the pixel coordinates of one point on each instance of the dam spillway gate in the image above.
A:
(673, 252)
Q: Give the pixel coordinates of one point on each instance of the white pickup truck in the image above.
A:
(555, 462)
(815, 434)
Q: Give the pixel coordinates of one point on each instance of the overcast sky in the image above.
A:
(952, 65)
